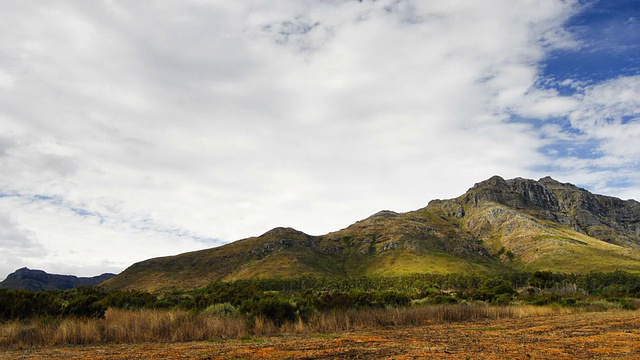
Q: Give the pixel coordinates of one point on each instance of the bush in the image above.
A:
(503, 299)
(391, 298)
(85, 306)
(130, 299)
(276, 309)
(543, 299)
(441, 298)
(623, 303)
(220, 310)
(340, 300)
(22, 304)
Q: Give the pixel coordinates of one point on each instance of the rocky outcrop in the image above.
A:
(517, 193)
(590, 210)
(603, 217)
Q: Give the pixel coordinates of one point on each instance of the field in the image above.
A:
(579, 335)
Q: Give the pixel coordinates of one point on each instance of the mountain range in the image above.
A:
(497, 225)
(38, 280)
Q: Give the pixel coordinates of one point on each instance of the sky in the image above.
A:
(131, 130)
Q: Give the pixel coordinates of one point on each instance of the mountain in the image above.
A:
(38, 280)
(497, 225)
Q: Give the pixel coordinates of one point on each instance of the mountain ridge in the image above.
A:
(497, 225)
(39, 280)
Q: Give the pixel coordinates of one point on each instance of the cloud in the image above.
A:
(70, 240)
(16, 241)
(17, 245)
(594, 135)
(609, 114)
(161, 128)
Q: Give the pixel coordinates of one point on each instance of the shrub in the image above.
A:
(221, 310)
(441, 298)
(543, 299)
(130, 299)
(85, 306)
(340, 300)
(391, 298)
(275, 309)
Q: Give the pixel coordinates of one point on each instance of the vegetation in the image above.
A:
(298, 297)
(137, 326)
(245, 307)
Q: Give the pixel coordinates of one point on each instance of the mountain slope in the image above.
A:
(497, 225)
(38, 280)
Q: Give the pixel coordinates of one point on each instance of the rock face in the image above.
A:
(38, 280)
(497, 225)
(603, 217)
(588, 210)
(515, 193)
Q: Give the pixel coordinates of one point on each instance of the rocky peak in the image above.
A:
(603, 217)
(518, 193)
(548, 180)
(26, 272)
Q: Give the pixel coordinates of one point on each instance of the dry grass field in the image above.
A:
(558, 335)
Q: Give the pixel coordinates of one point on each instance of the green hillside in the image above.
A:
(498, 225)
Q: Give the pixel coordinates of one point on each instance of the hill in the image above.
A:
(497, 225)
(38, 280)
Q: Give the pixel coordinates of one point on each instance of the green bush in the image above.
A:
(225, 309)
(85, 306)
(275, 309)
(441, 298)
(130, 299)
(391, 298)
(340, 300)
(22, 304)
(543, 299)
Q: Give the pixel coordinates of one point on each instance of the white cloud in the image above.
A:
(607, 115)
(14, 238)
(222, 120)
(544, 104)
(17, 245)
(6, 80)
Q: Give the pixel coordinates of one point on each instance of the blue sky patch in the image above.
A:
(609, 32)
(581, 150)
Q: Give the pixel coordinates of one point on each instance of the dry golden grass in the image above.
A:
(144, 326)
(122, 326)
(328, 322)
